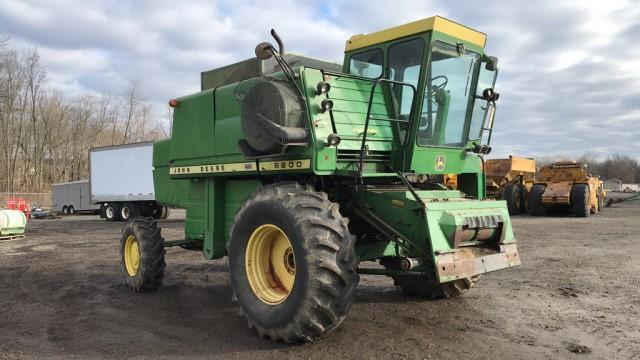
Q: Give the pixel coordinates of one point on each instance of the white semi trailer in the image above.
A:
(72, 197)
(121, 181)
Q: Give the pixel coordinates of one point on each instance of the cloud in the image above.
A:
(569, 71)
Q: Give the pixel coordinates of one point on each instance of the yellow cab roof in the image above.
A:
(436, 23)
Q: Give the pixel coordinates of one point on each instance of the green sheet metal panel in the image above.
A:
(228, 129)
(428, 228)
(193, 127)
(324, 157)
(236, 191)
(169, 192)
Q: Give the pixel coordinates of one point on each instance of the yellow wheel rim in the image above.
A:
(131, 255)
(270, 264)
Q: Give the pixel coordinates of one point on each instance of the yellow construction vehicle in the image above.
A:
(566, 185)
(511, 180)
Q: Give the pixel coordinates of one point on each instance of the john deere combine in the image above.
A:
(299, 170)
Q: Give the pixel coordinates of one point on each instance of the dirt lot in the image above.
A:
(576, 296)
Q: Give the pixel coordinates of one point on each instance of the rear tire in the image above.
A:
(315, 298)
(112, 212)
(65, 210)
(71, 210)
(142, 255)
(129, 211)
(425, 288)
(515, 197)
(535, 201)
(580, 200)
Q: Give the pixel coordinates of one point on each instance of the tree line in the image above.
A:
(45, 137)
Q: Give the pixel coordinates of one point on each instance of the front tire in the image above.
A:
(515, 196)
(65, 210)
(292, 264)
(580, 200)
(535, 201)
(71, 210)
(142, 255)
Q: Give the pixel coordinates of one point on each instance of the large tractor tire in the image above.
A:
(112, 212)
(515, 196)
(580, 200)
(129, 211)
(535, 201)
(422, 287)
(292, 264)
(142, 255)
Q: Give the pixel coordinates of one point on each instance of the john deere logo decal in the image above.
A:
(440, 160)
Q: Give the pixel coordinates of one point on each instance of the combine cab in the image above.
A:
(511, 180)
(565, 185)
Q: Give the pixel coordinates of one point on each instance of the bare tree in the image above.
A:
(45, 137)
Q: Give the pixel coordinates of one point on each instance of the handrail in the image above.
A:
(366, 123)
(375, 83)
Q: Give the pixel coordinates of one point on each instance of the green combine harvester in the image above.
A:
(301, 170)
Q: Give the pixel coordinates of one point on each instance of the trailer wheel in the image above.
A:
(129, 211)
(160, 212)
(535, 201)
(292, 264)
(112, 212)
(580, 200)
(515, 196)
(65, 210)
(422, 287)
(142, 255)
(71, 210)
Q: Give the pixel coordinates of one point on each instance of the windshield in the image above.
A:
(444, 109)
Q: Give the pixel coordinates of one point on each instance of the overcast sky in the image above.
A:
(569, 70)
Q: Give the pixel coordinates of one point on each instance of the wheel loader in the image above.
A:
(300, 171)
(565, 186)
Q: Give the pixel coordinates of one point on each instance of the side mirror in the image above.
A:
(491, 63)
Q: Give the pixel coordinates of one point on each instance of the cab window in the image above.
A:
(367, 64)
(405, 64)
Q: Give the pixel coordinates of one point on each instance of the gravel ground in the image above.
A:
(575, 297)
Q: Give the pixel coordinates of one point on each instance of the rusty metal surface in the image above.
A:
(467, 262)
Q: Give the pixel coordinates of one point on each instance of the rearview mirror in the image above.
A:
(491, 63)
(490, 95)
